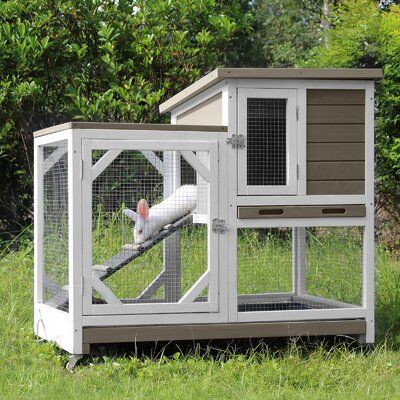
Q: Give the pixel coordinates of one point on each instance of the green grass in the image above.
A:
(35, 370)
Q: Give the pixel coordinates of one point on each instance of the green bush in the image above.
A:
(102, 60)
(362, 35)
(285, 31)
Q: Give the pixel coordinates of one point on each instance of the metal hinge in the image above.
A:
(237, 141)
(297, 113)
(219, 225)
(298, 171)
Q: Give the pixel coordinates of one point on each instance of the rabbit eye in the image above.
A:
(140, 231)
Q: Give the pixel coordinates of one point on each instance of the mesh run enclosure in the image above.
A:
(266, 141)
(147, 243)
(320, 268)
(55, 225)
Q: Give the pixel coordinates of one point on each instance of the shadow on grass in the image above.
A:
(222, 350)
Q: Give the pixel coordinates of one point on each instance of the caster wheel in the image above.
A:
(73, 360)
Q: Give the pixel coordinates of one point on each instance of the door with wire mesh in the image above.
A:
(149, 247)
(267, 164)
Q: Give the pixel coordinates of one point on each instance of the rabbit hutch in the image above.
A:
(251, 215)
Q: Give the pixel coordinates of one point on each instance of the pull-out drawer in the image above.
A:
(251, 212)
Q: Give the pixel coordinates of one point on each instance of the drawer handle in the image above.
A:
(333, 211)
(270, 211)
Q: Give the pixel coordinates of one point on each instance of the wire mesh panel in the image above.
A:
(264, 268)
(146, 245)
(266, 141)
(320, 269)
(334, 264)
(55, 226)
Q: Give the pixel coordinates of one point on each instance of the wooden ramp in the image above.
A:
(128, 253)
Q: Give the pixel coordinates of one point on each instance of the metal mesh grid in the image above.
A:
(264, 268)
(334, 263)
(319, 269)
(266, 141)
(165, 269)
(55, 227)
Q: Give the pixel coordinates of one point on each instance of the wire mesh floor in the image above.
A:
(284, 306)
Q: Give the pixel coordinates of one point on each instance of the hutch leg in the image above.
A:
(299, 260)
(172, 244)
(369, 282)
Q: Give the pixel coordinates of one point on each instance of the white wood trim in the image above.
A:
(158, 136)
(297, 315)
(153, 308)
(225, 104)
(291, 142)
(150, 308)
(230, 262)
(299, 260)
(53, 138)
(223, 212)
(191, 295)
(369, 239)
(52, 159)
(104, 162)
(149, 319)
(154, 160)
(87, 224)
(301, 83)
(38, 202)
(104, 290)
(302, 141)
(212, 237)
(75, 228)
(172, 244)
(56, 326)
(141, 145)
(197, 165)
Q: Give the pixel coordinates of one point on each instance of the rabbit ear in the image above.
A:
(143, 209)
(130, 214)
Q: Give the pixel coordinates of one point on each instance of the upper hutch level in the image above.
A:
(301, 132)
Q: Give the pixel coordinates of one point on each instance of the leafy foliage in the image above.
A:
(363, 35)
(98, 60)
(285, 31)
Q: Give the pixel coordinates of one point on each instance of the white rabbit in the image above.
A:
(149, 222)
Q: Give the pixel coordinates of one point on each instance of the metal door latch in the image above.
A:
(237, 141)
(219, 225)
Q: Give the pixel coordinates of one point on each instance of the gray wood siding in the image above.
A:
(335, 141)
(332, 114)
(124, 334)
(335, 133)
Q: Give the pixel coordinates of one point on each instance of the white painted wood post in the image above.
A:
(229, 284)
(38, 224)
(299, 260)
(368, 238)
(75, 237)
(172, 244)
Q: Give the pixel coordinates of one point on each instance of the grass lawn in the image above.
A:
(35, 370)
